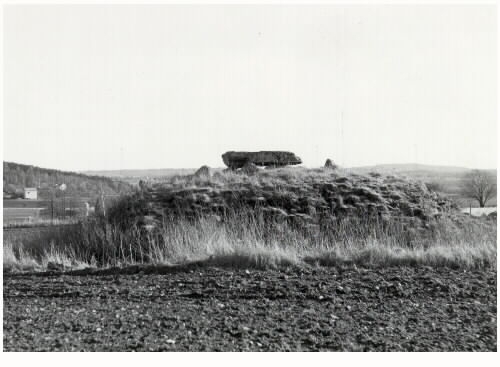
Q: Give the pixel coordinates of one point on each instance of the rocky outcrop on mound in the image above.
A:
(311, 197)
(330, 165)
(235, 160)
(202, 172)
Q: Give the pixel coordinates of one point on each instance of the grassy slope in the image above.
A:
(296, 193)
(406, 231)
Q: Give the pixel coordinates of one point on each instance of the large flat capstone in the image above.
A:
(236, 160)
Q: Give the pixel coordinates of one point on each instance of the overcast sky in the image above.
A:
(117, 87)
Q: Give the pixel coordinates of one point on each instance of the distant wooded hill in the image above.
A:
(133, 176)
(155, 172)
(18, 176)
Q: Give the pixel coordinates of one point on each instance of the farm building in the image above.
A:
(30, 193)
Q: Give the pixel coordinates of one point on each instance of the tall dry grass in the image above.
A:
(250, 239)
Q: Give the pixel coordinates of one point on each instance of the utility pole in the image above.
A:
(103, 203)
(52, 203)
(52, 207)
(62, 187)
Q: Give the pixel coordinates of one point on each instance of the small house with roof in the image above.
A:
(30, 193)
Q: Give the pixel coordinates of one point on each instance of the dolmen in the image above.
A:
(236, 160)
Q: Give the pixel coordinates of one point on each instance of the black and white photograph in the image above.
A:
(237, 177)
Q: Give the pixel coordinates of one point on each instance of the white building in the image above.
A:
(30, 193)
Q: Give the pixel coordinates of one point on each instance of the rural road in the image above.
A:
(210, 309)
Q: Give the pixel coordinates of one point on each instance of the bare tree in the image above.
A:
(479, 185)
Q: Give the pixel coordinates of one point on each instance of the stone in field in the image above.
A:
(330, 165)
(203, 171)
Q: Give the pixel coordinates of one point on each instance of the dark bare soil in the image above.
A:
(210, 309)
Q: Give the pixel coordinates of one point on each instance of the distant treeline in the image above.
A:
(18, 176)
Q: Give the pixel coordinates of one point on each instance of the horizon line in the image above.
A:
(218, 167)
